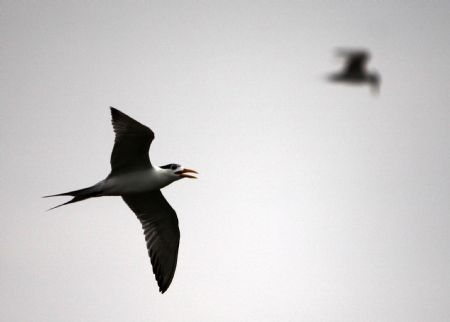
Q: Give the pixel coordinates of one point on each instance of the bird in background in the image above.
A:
(355, 69)
(138, 182)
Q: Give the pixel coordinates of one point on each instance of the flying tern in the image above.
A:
(354, 71)
(138, 182)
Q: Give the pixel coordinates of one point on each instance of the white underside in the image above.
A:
(136, 182)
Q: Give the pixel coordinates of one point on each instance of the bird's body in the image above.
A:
(150, 179)
(354, 71)
(138, 182)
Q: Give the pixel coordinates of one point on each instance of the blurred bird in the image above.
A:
(138, 182)
(354, 71)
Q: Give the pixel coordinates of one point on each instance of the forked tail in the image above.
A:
(78, 195)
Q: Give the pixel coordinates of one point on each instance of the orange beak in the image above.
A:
(183, 173)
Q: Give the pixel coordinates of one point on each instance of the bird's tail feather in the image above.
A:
(78, 195)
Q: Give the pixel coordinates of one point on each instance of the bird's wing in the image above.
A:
(131, 145)
(160, 224)
(356, 60)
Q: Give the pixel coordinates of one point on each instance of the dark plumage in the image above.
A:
(354, 71)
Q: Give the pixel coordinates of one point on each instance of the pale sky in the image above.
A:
(316, 201)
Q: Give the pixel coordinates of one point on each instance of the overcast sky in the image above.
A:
(316, 201)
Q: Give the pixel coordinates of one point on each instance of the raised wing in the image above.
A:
(131, 145)
(160, 224)
(356, 60)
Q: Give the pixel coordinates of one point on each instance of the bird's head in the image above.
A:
(177, 172)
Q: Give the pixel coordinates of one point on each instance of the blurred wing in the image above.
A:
(131, 145)
(356, 60)
(160, 224)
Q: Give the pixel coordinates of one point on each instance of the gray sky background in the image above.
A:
(317, 202)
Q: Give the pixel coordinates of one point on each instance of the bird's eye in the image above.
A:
(174, 167)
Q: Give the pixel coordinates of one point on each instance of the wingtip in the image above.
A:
(163, 285)
(116, 113)
(349, 51)
(163, 290)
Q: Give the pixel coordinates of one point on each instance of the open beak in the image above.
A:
(183, 173)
